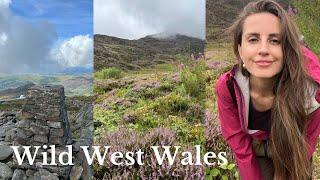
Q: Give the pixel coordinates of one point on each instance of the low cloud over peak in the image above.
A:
(138, 18)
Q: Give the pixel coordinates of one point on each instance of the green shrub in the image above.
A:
(166, 86)
(184, 59)
(190, 82)
(122, 92)
(171, 104)
(110, 118)
(193, 79)
(186, 132)
(224, 172)
(109, 73)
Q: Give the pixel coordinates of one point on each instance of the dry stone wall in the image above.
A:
(43, 121)
(44, 117)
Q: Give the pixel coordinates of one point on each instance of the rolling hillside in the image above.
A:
(15, 85)
(135, 54)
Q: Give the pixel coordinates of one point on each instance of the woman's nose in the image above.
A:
(264, 48)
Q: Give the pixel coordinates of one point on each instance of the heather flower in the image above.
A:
(181, 66)
(125, 140)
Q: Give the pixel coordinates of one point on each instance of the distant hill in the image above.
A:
(150, 50)
(16, 92)
(16, 85)
(77, 70)
(220, 14)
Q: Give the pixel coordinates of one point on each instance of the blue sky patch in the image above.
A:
(70, 17)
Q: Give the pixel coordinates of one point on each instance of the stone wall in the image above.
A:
(43, 121)
(44, 118)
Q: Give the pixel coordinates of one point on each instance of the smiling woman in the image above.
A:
(269, 103)
(260, 48)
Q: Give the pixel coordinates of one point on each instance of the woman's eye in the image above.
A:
(275, 41)
(253, 40)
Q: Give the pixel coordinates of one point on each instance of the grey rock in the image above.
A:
(37, 129)
(53, 124)
(22, 134)
(62, 171)
(2, 132)
(11, 135)
(26, 131)
(5, 128)
(5, 152)
(56, 140)
(44, 174)
(56, 132)
(30, 172)
(5, 171)
(40, 138)
(76, 172)
(19, 174)
(24, 124)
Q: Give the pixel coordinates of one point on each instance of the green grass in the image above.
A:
(12, 105)
(161, 106)
(109, 73)
(159, 68)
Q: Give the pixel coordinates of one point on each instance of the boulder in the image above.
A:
(5, 152)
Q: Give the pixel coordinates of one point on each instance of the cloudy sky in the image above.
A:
(45, 36)
(133, 19)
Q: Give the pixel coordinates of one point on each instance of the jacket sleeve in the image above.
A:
(239, 141)
(313, 129)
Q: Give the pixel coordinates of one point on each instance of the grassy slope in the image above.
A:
(146, 99)
(144, 95)
(145, 52)
(139, 94)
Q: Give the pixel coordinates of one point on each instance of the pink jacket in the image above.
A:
(234, 117)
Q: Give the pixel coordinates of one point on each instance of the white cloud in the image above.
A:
(24, 45)
(32, 46)
(137, 18)
(5, 3)
(76, 51)
(3, 39)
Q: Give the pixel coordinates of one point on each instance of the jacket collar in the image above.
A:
(243, 84)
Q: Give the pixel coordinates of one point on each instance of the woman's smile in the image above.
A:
(263, 63)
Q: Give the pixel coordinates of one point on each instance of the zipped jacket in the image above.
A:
(233, 112)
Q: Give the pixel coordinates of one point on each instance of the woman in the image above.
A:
(269, 103)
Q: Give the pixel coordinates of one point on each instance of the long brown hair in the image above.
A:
(288, 146)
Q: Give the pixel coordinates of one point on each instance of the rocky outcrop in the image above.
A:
(43, 121)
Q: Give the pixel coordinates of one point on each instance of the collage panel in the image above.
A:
(139, 89)
(46, 89)
(150, 83)
(254, 55)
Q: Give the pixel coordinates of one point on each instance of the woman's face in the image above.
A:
(260, 48)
